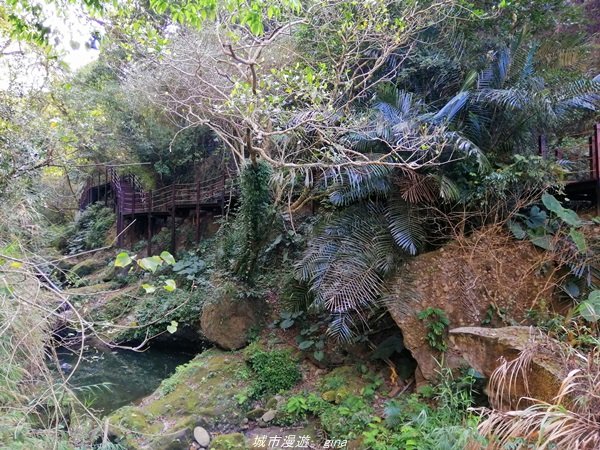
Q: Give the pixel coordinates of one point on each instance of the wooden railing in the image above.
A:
(583, 169)
(129, 199)
(176, 195)
(581, 166)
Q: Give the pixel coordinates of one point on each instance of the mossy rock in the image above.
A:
(87, 267)
(233, 441)
(340, 383)
(203, 391)
(256, 413)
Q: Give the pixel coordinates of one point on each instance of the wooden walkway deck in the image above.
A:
(131, 202)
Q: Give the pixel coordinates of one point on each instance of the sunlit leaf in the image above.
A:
(123, 260)
(168, 258)
(150, 263)
(172, 328)
(590, 309)
(148, 288)
(170, 285)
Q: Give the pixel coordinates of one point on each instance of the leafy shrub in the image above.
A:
(89, 229)
(436, 323)
(275, 371)
(412, 423)
(242, 239)
(190, 266)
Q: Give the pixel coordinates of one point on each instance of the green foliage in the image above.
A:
(559, 230)
(149, 264)
(506, 187)
(411, 422)
(436, 322)
(244, 238)
(274, 371)
(182, 371)
(590, 308)
(251, 15)
(312, 335)
(297, 406)
(190, 266)
(163, 310)
(89, 229)
(345, 265)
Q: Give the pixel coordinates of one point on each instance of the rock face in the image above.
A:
(485, 278)
(485, 349)
(228, 319)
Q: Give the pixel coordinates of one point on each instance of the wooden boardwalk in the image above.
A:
(131, 202)
(583, 170)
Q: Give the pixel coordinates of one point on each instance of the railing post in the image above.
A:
(149, 230)
(173, 237)
(132, 233)
(105, 186)
(198, 212)
(223, 193)
(542, 146)
(119, 208)
(592, 161)
(596, 162)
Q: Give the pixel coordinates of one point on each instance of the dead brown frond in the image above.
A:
(571, 421)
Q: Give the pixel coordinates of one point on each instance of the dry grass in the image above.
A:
(571, 421)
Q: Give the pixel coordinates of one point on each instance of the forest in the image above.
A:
(320, 224)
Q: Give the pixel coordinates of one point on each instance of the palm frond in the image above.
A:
(352, 184)
(405, 225)
(346, 263)
(451, 109)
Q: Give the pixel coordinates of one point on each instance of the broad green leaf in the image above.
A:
(517, 230)
(172, 328)
(305, 344)
(579, 240)
(319, 355)
(542, 242)
(170, 285)
(168, 258)
(286, 323)
(123, 260)
(568, 216)
(551, 203)
(148, 288)
(151, 263)
(590, 309)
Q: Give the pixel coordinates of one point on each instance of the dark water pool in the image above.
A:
(107, 379)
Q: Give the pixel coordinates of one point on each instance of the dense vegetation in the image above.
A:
(358, 137)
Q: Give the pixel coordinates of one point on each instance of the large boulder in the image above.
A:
(88, 266)
(538, 375)
(487, 278)
(227, 320)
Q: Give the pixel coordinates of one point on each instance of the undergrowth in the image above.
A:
(274, 371)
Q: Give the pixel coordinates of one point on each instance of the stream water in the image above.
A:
(107, 379)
